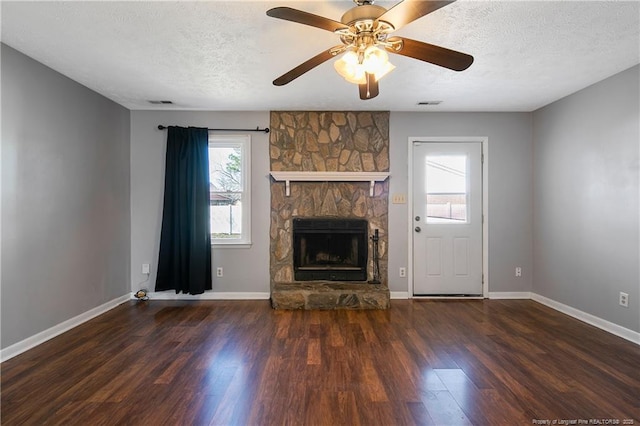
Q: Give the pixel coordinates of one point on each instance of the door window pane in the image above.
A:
(446, 187)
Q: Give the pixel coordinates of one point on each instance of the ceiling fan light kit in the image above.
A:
(354, 66)
(364, 32)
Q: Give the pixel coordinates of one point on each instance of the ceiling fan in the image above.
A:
(364, 31)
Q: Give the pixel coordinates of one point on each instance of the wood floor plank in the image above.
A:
(444, 410)
(423, 362)
(314, 356)
(419, 414)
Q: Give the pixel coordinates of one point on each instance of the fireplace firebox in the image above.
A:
(330, 249)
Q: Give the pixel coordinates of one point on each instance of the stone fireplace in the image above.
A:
(321, 250)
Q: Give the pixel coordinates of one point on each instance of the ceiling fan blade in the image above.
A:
(295, 15)
(307, 65)
(370, 89)
(433, 54)
(409, 10)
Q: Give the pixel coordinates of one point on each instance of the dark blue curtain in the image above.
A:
(184, 262)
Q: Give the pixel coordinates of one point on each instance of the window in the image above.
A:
(446, 183)
(229, 184)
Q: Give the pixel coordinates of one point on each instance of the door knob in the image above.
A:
(418, 229)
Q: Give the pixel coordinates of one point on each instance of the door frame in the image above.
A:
(484, 142)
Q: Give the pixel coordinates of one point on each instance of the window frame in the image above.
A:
(232, 141)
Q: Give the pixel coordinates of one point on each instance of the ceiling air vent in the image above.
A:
(429, 103)
(161, 102)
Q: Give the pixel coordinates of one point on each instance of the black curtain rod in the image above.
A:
(257, 129)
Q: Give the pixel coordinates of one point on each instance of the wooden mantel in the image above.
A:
(371, 177)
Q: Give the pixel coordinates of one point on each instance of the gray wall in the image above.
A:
(245, 269)
(586, 199)
(510, 189)
(65, 198)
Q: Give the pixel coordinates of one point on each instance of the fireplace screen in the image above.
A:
(330, 249)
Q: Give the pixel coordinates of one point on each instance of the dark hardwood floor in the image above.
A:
(486, 362)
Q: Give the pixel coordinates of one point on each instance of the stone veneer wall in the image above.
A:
(328, 141)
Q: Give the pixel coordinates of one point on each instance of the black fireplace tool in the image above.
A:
(376, 266)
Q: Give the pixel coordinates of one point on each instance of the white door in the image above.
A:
(447, 218)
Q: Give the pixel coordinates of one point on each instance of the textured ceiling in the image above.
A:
(214, 55)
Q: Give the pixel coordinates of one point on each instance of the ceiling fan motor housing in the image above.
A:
(366, 12)
(363, 28)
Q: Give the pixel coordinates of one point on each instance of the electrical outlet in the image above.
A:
(403, 272)
(219, 272)
(624, 299)
(518, 271)
(145, 268)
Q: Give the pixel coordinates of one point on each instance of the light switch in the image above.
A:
(399, 199)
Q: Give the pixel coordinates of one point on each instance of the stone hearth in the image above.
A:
(328, 141)
(329, 295)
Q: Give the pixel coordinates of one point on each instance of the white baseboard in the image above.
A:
(602, 324)
(448, 297)
(37, 339)
(509, 295)
(399, 294)
(207, 295)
